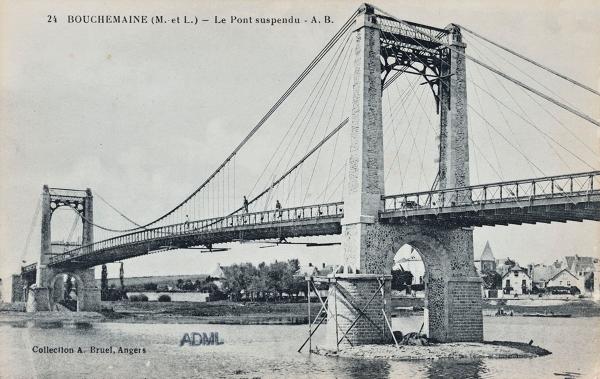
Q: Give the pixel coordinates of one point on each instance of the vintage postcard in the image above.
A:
(317, 189)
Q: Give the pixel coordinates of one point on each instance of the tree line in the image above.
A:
(263, 282)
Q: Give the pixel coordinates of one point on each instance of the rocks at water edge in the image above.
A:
(454, 350)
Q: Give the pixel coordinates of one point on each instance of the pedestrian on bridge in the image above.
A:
(245, 204)
(278, 208)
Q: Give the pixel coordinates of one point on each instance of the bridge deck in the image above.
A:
(552, 199)
(323, 219)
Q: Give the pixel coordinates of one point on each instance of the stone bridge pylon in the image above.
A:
(453, 289)
(42, 295)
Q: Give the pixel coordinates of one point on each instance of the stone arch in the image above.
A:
(431, 250)
(453, 297)
(435, 261)
(79, 287)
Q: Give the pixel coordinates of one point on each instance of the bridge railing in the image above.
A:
(209, 225)
(501, 192)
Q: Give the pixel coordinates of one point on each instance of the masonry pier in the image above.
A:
(40, 295)
(453, 289)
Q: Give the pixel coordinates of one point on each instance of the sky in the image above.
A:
(142, 114)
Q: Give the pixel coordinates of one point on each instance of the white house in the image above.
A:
(516, 281)
(564, 278)
(581, 267)
(410, 260)
(541, 273)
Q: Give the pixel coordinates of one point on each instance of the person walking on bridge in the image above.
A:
(278, 208)
(245, 204)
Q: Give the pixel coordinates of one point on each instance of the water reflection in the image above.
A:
(44, 324)
(444, 368)
(18, 324)
(83, 325)
(363, 368)
(270, 351)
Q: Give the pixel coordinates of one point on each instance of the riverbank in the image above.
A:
(46, 320)
(251, 313)
(575, 307)
(218, 312)
(453, 350)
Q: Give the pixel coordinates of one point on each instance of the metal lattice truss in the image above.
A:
(413, 52)
(73, 198)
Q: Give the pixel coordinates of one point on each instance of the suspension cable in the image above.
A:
(116, 210)
(573, 81)
(33, 222)
(495, 71)
(498, 72)
(255, 129)
(275, 183)
(507, 77)
(75, 222)
(573, 134)
(302, 160)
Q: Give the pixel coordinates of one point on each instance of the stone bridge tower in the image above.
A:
(40, 297)
(363, 286)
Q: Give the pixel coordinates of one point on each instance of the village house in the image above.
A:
(541, 273)
(572, 269)
(503, 265)
(581, 267)
(307, 270)
(412, 263)
(563, 278)
(516, 281)
(310, 270)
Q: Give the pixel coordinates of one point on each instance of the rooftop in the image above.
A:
(487, 254)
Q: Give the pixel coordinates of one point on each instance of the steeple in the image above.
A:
(487, 255)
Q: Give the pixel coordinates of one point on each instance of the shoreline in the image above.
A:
(233, 313)
(450, 350)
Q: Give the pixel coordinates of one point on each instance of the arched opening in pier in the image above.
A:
(409, 290)
(65, 291)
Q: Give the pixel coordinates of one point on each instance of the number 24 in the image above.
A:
(51, 18)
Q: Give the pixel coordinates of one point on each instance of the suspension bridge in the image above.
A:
(379, 92)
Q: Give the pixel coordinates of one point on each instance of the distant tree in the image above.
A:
(141, 297)
(179, 284)
(68, 286)
(492, 279)
(258, 283)
(509, 262)
(589, 281)
(150, 286)
(275, 278)
(104, 284)
(198, 285)
(294, 265)
(401, 279)
(188, 285)
(122, 277)
(293, 284)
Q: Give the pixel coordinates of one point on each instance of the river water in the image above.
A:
(251, 351)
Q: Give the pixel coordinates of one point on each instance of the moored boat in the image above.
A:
(546, 314)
